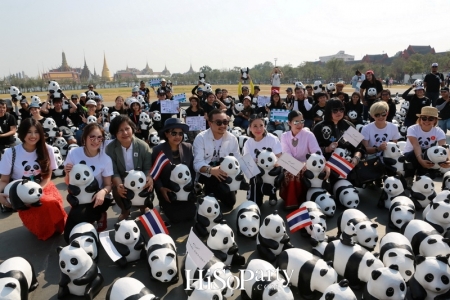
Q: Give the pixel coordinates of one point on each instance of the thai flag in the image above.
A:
(158, 165)
(340, 165)
(298, 219)
(153, 223)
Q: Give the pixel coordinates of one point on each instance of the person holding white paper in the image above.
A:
(194, 110)
(259, 140)
(275, 103)
(298, 142)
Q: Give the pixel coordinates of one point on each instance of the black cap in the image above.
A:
(74, 96)
(445, 89)
(161, 91)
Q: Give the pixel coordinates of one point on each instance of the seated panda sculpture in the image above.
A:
(272, 237)
(127, 239)
(270, 175)
(436, 154)
(394, 159)
(422, 191)
(181, 184)
(50, 129)
(318, 239)
(221, 242)
(425, 240)
(80, 275)
(235, 178)
(393, 187)
(162, 258)
(401, 211)
(339, 291)
(323, 199)
(87, 237)
(437, 212)
(314, 175)
(208, 215)
(248, 219)
(23, 192)
(129, 288)
(134, 183)
(17, 278)
(366, 230)
(385, 282)
(82, 184)
(395, 249)
(346, 193)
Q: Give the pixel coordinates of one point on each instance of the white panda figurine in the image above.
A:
(87, 237)
(344, 153)
(35, 99)
(129, 288)
(366, 230)
(315, 214)
(401, 211)
(318, 239)
(82, 184)
(21, 192)
(156, 116)
(323, 199)
(248, 219)
(241, 141)
(278, 133)
(17, 278)
(431, 279)
(238, 107)
(352, 114)
(91, 119)
(236, 131)
(134, 183)
(299, 84)
(162, 258)
(331, 87)
(270, 174)
(346, 193)
(315, 173)
(50, 128)
(338, 291)
(395, 249)
(90, 95)
(221, 242)
(208, 215)
(15, 93)
(200, 290)
(153, 139)
(235, 178)
(317, 86)
(61, 144)
(53, 87)
(269, 285)
(446, 181)
(113, 115)
(425, 240)
(59, 171)
(352, 262)
(80, 275)
(437, 213)
(145, 122)
(393, 187)
(181, 184)
(371, 91)
(127, 239)
(385, 282)
(394, 159)
(422, 191)
(436, 154)
(309, 274)
(272, 237)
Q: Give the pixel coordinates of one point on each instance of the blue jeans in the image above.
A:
(444, 125)
(272, 127)
(241, 122)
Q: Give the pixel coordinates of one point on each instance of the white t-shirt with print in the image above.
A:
(375, 136)
(25, 163)
(102, 163)
(425, 139)
(276, 80)
(269, 141)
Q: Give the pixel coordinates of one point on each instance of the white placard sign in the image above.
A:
(290, 164)
(109, 246)
(198, 251)
(169, 106)
(353, 136)
(180, 97)
(248, 166)
(155, 82)
(196, 123)
(263, 100)
(279, 115)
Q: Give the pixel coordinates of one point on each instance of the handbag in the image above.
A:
(368, 170)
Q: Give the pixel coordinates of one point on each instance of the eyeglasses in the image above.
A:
(427, 118)
(338, 110)
(221, 122)
(298, 122)
(380, 115)
(174, 133)
(93, 138)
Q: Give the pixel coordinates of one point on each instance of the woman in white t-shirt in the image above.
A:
(34, 160)
(91, 154)
(259, 140)
(422, 136)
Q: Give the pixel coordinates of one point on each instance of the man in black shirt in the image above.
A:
(442, 104)
(76, 116)
(24, 111)
(304, 105)
(144, 92)
(211, 104)
(8, 126)
(432, 83)
(91, 88)
(57, 113)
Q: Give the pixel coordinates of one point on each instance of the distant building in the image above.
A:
(375, 58)
(106, 75)
(417, 49)
(190, 71)
(63, 73)
(339, 55)
(147, 72)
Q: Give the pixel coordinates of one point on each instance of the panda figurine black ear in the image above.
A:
(257, 152)
(375, 274)
(213, 232)
(419, 259)
(116, 226)
(308, 155)
(269, 149)
(75, 244)
(82, 162)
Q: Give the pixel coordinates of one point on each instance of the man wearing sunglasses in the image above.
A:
(209, 146)
(444, 109)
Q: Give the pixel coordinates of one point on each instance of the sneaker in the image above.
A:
(102, 224)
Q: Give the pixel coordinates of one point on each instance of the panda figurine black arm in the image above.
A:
(267, 243)
(63, 288)
(88, 277)
(121, 248)
(220, 255)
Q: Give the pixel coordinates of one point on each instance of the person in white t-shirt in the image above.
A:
(91, 154)
(422, 136)
(275, 78)
(259, 140)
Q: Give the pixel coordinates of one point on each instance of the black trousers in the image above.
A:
(211, 185)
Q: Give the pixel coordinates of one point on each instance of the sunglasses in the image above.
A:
(298, 122)
(99, 138)
(426, 118)
(256, 116)
(221, 122)
(385, 95)
(338, 110)
(380, 115)
(174, 133)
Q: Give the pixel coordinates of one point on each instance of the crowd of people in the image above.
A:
(317, 118)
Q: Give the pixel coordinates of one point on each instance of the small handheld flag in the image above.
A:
(153, 223)
(159, 164)
(298, 219)
(339, 165)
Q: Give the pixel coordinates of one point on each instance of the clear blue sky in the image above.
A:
(221, 34)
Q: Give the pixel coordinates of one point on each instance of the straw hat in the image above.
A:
(429, 111)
